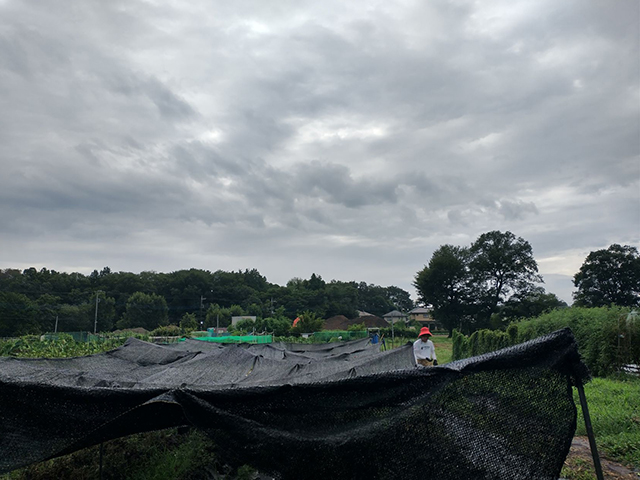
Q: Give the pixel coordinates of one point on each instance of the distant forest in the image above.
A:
(32, 301)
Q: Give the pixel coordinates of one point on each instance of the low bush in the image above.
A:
(170, 331)
(400, 330)
(608, 337)
(62, 346)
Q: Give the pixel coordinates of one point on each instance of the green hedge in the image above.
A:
(607, 337)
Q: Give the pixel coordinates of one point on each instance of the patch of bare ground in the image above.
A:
(579, 464)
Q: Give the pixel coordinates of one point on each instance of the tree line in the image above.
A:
(495, 281)
(32, 301)
(488, 284)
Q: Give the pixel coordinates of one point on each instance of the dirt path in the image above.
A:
(580, 460)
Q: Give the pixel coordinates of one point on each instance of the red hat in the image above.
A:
(424, 331)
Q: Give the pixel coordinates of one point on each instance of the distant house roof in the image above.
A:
(371, 321)
(362, 313)
(394, 314)
(420, 310)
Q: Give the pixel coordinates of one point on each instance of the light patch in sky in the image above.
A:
(499, 18)
(336, 129)
(342, 240)
(489, 141)
(213, 136)
(566, 264)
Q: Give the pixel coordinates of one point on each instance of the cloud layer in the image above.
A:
(350, 140)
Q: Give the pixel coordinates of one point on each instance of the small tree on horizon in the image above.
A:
(609, 276)
(309, 323)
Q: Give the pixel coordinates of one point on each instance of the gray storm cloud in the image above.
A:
(347, 139)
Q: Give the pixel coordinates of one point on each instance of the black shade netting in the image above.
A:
(336, 411)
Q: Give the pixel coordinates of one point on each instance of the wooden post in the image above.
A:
(587, 424)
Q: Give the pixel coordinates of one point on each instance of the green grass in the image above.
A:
(444, 347)
(578, 469)
(614, 408)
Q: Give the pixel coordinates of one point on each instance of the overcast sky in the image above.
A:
(349, 139)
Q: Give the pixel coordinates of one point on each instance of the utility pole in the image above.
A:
(95, 322)
(55, 330)
(202, 299)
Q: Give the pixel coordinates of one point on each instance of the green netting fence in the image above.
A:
(238, 339)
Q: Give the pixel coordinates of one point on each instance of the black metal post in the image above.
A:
(587, 424)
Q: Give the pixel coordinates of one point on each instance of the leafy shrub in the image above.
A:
(167, 331)
(357, 327)
(188, 322)
(63, 345)
(400, 330)
(608, 337)
(243, 327)
(294, 339)
(309, 322)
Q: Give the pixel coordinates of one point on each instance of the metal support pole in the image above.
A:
(587, 424)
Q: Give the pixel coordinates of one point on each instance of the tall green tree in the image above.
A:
(148, 311)
(501, 264)
(374, 299)
(77, 318)
(444, 284)
(217, 316)
(49, 309)
(106, 313)
(610, 276)
(400, 298)
(280, 326)
(309, 322)
(188, 322)
(527, 304)
(18, 315)
(342, 298)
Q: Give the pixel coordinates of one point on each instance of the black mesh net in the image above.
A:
(335, 411)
